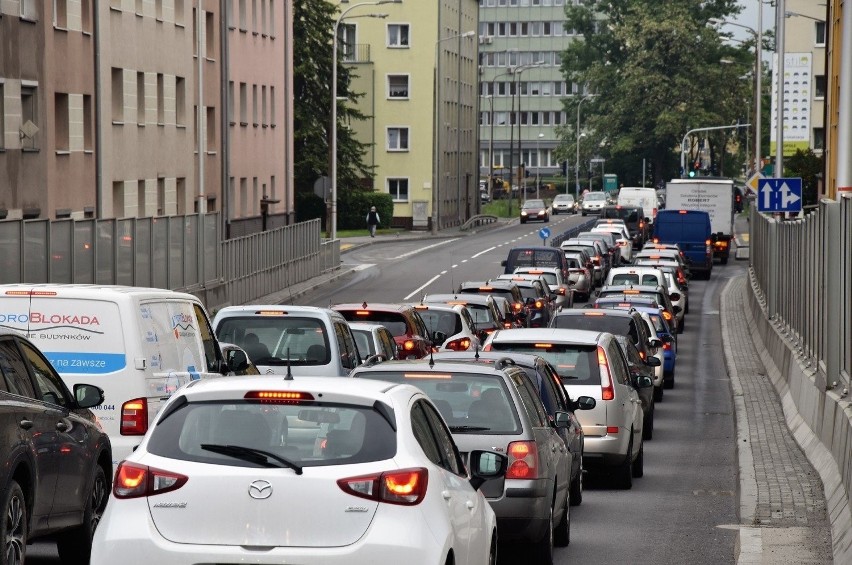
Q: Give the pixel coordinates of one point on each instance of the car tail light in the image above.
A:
(641, 225)
(517, 306)
(405, 486)
(134, 417)
(486, 347)
(642, 355)
(462, 344)
(539, 304)
(523, 460)
(561, 291)
(133, 481)
(278, 396)
(721, 244)
(596, 260)
(667, 346)
(656, 240)
(408, 345)
(667, 315)
(612, 429)
(607, 390)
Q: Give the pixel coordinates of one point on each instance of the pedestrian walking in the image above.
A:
(373, 220)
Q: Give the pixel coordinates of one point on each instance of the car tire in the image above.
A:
(14, 527)
(543, 548)
(648, 425)
(492, 553)
(624, 472)
(75, 545)
(583, 213)
(724, 260)
(681, 325)
(668, 379)
(562, 533)
(658, 393)
(576, 496)
(638, 467)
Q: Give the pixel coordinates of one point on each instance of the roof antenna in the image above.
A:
(476, 352)
(431, 358)
(289, 376)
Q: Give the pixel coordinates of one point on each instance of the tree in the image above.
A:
(654, 69)
(313, 25)
(809, 166)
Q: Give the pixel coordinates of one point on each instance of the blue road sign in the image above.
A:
(779, 195)
(544, 233)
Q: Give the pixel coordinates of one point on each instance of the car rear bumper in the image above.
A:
(523, 514)
(605, 451)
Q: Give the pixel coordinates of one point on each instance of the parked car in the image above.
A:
(405, 324)
(497, 407)
(592, 364)
(593, 202)
(534, 210)
(554, 398)
(56, 458)
(303, 340)
(450, 327)
(336, 478)
(373, 340)
(563, 204)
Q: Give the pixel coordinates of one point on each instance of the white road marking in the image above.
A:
(410, 253)
(443, 272)
(464, 260)
(418, 289)
(364, 266)
(483, 252)
(454, 266)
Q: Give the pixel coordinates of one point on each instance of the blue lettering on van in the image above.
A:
(150, 336)
(77, 362)
(12, 318)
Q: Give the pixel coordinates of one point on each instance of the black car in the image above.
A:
(638, 225)
(56, 460)
(638, 367)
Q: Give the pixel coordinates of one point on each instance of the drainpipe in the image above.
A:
(844, 118)
(202, 202)
(96, 33)
(225, 128)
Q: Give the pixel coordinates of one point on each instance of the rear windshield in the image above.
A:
(528, 292)
(441, 321)
(391, 320)
(573, 263)
(613, 324)
(629, 215)
(470, 403)
(306, 435)
(533, 258)
(619, 279)
(550, 278)
(575, 364)
(365, 343)
(504, 292)
(481, 314)
(271, 340)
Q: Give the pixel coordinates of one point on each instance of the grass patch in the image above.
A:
(500, 208)
(363, 233)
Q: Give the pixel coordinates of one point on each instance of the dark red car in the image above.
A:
(408, 329)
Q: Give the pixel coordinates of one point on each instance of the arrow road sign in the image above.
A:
(779, 195)
(544, 233)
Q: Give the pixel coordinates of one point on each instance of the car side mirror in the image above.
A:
(652, 362)
(503, 263)
(585, 403)
(667, 338)
(88, 396)
(486, 466)
(438, 337)
(655, 342)
(643, 381)
(563, 419)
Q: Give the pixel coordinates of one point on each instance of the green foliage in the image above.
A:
(309, 206)
(654, 69)
(809, 166)
(313, 23)
(352, 208)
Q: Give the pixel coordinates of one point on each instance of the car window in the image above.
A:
(631, 352)
(575, 364)
(388, 344)
(617, 364)
(441, 321)
(450, 459)
(364, 341)
(48, 384)
(15, 370)
(422, 431)
(269, 339)
(348, 349)
(559, 391)
(208, 340)
(530, 400)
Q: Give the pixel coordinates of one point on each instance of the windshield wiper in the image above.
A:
(251, 454)
(468, 428)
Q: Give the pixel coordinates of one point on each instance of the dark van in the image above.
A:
(691, 230)
(634, 218)
(538, 256)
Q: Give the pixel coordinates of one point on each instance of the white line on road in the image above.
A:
(454, 266)
(364, 266)
(418, 289)
(443, 272)
(410, 253)
(464, 260)
(483, 252)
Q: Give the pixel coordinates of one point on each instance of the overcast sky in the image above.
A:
(748, 17)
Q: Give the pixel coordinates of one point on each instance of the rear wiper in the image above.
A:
(468, 428)
(569, 378)
(251, 454)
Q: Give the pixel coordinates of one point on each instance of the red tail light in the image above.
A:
(667, 315)
(408, 345)
(656, 240)
(134, 417)
(462, 344)
(667, 346)
(612, 429)
(487, 347)
(133, 481)
(523, 460)
(641, 225)
(561, 291)
(517, 306)
(596, 260)
(607, 390)
(642, 355)
(539, 304)
(405, 486)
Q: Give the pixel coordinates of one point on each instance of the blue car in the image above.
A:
(669, 339)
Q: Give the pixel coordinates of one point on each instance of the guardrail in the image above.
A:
(478, 220)
(557, 240)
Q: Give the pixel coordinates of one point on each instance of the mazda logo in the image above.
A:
(260, 490)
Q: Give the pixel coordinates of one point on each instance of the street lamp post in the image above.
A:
(696, 130)
(516, 72)
(333, 230)
(577, 161)
(437, 134)
(537, 162)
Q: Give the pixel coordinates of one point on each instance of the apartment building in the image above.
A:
(417, 70)
(521, 85)
(119, 108)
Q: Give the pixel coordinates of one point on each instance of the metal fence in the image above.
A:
(802, 272)
(184, 253)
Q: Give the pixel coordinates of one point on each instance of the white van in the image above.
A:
(138, 344)
(646, 198)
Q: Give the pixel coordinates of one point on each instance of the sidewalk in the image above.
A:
(783, 516)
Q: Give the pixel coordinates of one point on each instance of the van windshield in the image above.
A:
(278, 340)
(533, 258)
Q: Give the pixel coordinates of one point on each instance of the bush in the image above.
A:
(352, 208)
(309, 206)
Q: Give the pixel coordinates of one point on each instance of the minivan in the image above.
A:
(535, 256)
(692, 231)
(640, 197)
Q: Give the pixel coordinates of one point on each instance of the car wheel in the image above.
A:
(583, 213)
(638, 467)
(658, 393)
(492, 553)
(576, 496)
(648, 425)
(75, 545)
(555, 213)
(562, 535)
(624, 473)
(724, 260)
(681, 325)
(668, 379)
(543, 548)
(14, 530)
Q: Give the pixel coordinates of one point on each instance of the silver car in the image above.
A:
(563, 204)
(593, 202)
(498, 406)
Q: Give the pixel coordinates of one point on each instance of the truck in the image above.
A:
(714, 196)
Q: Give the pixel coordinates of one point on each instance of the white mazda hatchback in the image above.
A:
(314, 470)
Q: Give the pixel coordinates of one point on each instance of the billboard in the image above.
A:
(798, 77)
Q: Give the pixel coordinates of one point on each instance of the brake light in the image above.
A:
(277, 396)
(667, 315)
(362, 312)
(707, 242)
(561, 290)
(612, 429)
(487, 347)
(539, 304)
(642, 355)
(270, 313)
(523, 460)
(30, 293)
(516, 306)
(721, 244)
(406, 487)
(134, 417)
(607, 390)
(133, 481)
(667, 346)
(593, 313)
(462, 344)
(656, 240)
(486, 288)
(408, 345)
(641, 225)
(681, 212)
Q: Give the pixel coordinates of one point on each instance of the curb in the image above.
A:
(427, 235)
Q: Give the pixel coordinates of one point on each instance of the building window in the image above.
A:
(820, 33)
(242, 7)
(179, 12)
(272, 19)
(398, 189)
(158, 11)
(60, 121)
(88, 123)
(209, 36)
(60, 14)
(161, 196)
(210, 126)
(161, 99)
(140, 98)
(118, 199)
(272, 106)
(180, 101)
(263, 114)
(140, 198)
(397, 86)
(117, 95)
(254, 105)
(819, 138)
(346, 41)
(397, 35)
(2, 116)
(29, 10)
(86, 16)
(29, 113)
(398, 139)
(263, 18)
(230, 102)
(243, 104)
(819, 86)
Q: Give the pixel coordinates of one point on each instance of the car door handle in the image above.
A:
(62, 426)
(470, 505)
(446, 494)
(26, 424)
